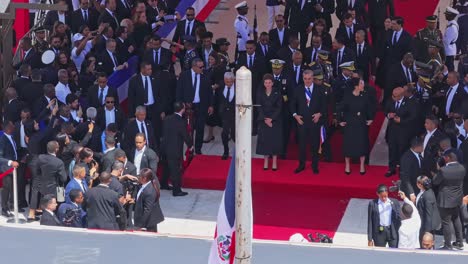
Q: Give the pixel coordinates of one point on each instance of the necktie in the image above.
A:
(114, 59)
(85, 16)
(397, 105)
(314, 54)
(143, 130)
(146, 89)
(250, 61)
(339, 60)
(394, 38)
(85, 187)
(277, 78)
(228, 94)
(359, 50)
(350, 32)
(101, 95)
(156, 57)
(449, 91)
(195, 82)
(408, 75)
(187, 29)
(300, 4)
(264, 50)
(310, 95)
(420, 158)
(295, 73)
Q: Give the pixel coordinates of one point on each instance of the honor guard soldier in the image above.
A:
(424, 36)
(223, 46)
(319, 81)
(324, 65)
(241, 25)
(281, 85)
(423, 92)
(450, 37)
(435, 59)
(40, 42)
(190, 45)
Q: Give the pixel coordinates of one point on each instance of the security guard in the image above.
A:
(423, 36)
(281, 85)
(241, 25)
(325, 149)
(450, 37)
(324, 65)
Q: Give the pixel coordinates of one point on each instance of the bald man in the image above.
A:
(427, 241)
(398, 113)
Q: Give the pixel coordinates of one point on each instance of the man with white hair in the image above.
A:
(226, 101)
(62, 89)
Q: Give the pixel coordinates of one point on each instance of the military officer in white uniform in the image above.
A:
(241, 25)
(450, 37)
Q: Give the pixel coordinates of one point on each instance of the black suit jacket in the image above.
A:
(31, 91)
(457, 101)
(410, 169)
(431, 151)
(378, 10)
(373, 219)
(12, 110)
(450, 182)
(275, 40)
(123, 11)
(49, 220)
(289, 71)
(180, 29)
(107, 160)
(186, 91)
(105, 62)
(130, 132)
(408, 119)
(7, 151)
(393, 53)
(33, 58)
(298, 20)
(396, 77)
(258, 69)
(129, 169)
(105, 17)
(103, 208)
(428, 211)
(52, 173)
(120, 120)
(148, 212)
(298, 104)
(148, 160)
(93, 96)
(308, 53)
(77, 20)
(165, 59)
(366, 60)
(137, 94)
(174, 135)
(359, 5)
(348, 55)
(20, 85)
(52, 17)
(328, 9)
(342, 32)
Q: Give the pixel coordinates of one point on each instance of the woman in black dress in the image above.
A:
(355, 115)
(215, 72)
(269, 140)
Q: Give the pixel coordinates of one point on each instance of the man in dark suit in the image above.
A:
(323, 9)
(383, 230)
(160, 57)
(54, 16)
(109, 155)
(255, 62)
(31, 56)
(285, 53)
(312, 52)
(188, 26)
(340, 55)
(427, 207)
(455, 96)
(139, 125)
(226, 101)
(109, 114)
(52, 170)
(33, 89)
(348, 29)
(279, 36)
(264, 48)
(103, 205)
(148, 213)
(108, 15)
(431, 138)
(299, 15)
(378, 11)
(84, 15)
(294, 71)
(129, 168)
(123, 9)
(449, 180)
(108, 61)
(174, 136)
(410, 168)
(194, 89)
(49, 205)
(97, 93)
(12, 109)
(125, 44)
(23, 80)
(399, 75)
(365, 56)
(342, 7)
(142, 156)
(308, 107)
(9, 153)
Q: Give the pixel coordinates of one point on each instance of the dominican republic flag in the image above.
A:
(224, 244)
(323, 137)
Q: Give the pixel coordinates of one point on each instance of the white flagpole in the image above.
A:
(244, 112)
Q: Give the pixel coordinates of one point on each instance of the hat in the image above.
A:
(222, 41)
(432, 19)
(318, 74)
(277, 64)
(434, 44)
(422, 66)
(39, 29)
(323, 54)
(48, 57)
(425, 78)
(189, 39)
(349, 65)
(450, 10)
(242, 4)
(382, 188)
(77, 37)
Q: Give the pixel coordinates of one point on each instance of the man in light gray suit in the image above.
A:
(142, 156)
(449, 179)
(51, 170)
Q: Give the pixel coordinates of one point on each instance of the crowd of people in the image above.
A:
(64, 122)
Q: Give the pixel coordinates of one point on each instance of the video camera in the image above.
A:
(396, 186)
(130, 187)
(320, 238)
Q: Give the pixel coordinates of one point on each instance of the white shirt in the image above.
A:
(298, 73)
(231, 92)
(398, 35)
(461, 129)
(453, 91)
(407, 70)
(408, 234)
(104, 90)
(419, 196)
(109, 149)
(80, 182)
(196, 97)
(281, 35)
(150, 88)
(450, 38)
(110, 116)
(61, 17)
(189, 24)
(61, 91)
(138, 156)
(74, 115)
(79, 58)
(385, 212)
(426, 139)
(142, 188)
(207, 55)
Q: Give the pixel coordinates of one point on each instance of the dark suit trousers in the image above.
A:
(200, 120)
(34, 194)
(309, 133)
(173, 171)
(7, 191)
(397, 145)
(449, 62)
(229, 130)
(154, 115)
(451, 220)
(382, 238)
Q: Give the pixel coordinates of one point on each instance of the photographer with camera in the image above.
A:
(449, 180)
(427, 207)
(383, 220)
(70, 213)
(408, 234)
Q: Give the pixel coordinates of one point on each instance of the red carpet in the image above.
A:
(285, 203)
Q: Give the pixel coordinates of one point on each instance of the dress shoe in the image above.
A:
(315, 170)
(299, 169)
(209, 140)
(7, 213)
(389, 173)
(30, 220)
(274, 168)
(225, 156)
(457, 245)
(181, 193)
(167, 187)
(362, 172)
(445, 248)
(347, 172)
(265, 168)
(198, 152)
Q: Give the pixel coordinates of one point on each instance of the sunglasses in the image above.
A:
(190, 15)
(279, 21)
(110, 102)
